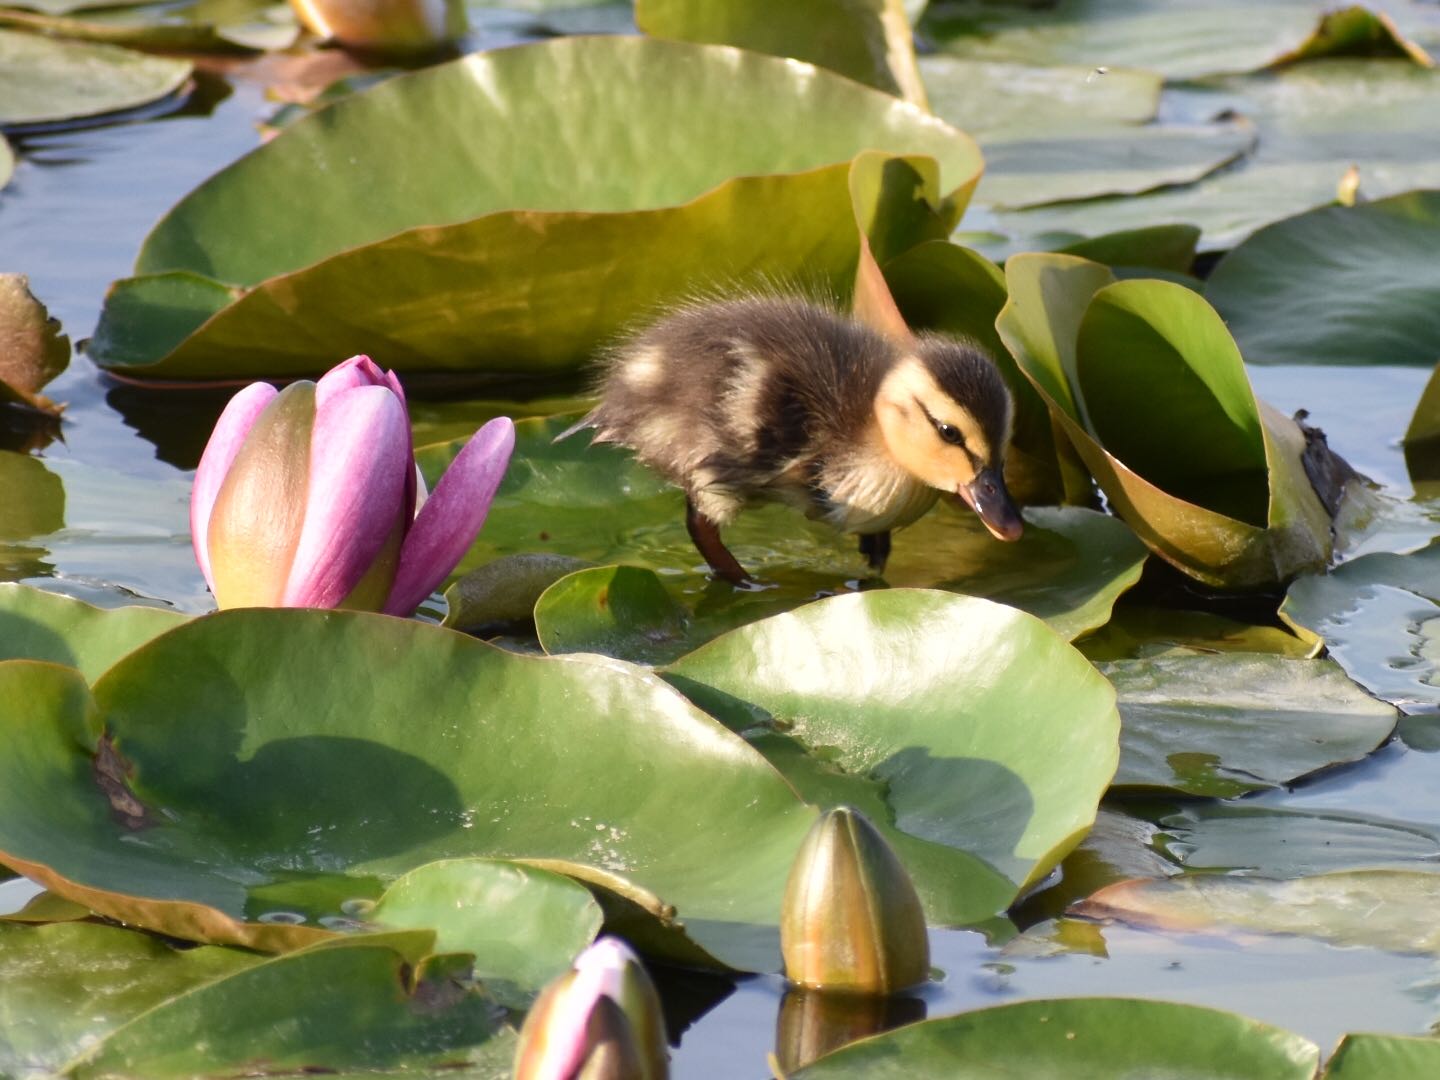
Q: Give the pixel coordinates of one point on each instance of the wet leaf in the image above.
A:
(481, 235)
(1377, 909)
(1221, 725)
(43, 80)
(1338, 285)
(191, 767)
(1079, 1039)
(964, 729)
(39, 625)
(1151, 391)
(868, 40)
(32, 349)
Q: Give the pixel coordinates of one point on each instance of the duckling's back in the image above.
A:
(740, 398)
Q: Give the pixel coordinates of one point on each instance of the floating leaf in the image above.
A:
(248, 787)
(868, 40)
(1222, 725)
(39, 625)
(505, 590)
(189, 24)
(615, 610)
(1377, 909)
(1000, 96)
(1150, 389)
(482, 233)
(43, 80)
(1338, 285)
(32, 348)
(1078, 1039)
(965, 730)
(1384, 1057)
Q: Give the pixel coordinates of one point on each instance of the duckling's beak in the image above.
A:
(990, 499)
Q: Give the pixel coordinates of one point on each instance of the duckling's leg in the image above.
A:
(706, 535)
(876, 549)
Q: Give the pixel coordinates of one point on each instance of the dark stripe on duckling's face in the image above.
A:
(950, 434)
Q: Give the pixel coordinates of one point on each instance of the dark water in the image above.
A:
(73, 219)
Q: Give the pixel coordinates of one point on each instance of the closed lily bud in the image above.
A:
(851, 920)
(384, 25)
(309, 497)
(601, 1020)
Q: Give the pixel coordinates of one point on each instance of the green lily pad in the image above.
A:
(748, 139)
(597, 504)
(32, 349)
(505, 590)
(1151, 391)
(1000, 96)
(522, 924)
(39, 625)
(43, 80)
(1222, 725)
(63, 987)
(615, 610)
(1338, 285)
(1314, 121)
(374, 1012)
(867, 40)
(1078, 1039)
(1377, 909)
(177, 843)
(966, 730)
(1379, 616)
(1180, 41)
(198, 25)
(1384, 1057)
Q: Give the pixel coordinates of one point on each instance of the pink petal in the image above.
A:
(451, 517)
(347, 375)
(230, 431)
(358, 462)
(393, 381)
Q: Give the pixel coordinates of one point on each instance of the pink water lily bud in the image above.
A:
(309, 497)
(601, 1019)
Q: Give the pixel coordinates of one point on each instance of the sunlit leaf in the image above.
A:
(1384, 1057)
(39, 625)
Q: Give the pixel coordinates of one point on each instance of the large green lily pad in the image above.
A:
(965, 729)
(216, 789)
(1379, 616)
(1338, 285)
(1377, 909)
(1151, 391)
(868, 40)
(1384, 1057)
(1223, 724)
(43, 80)
(508, 252)
(1078, 1039)
(39, 625)
(597, 504)
(64, 986)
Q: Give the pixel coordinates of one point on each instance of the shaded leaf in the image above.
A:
(39, 625)
(1079, 1039)
(1222, 725)
(1134, 632)
(204, 25)
(43, 80)
(616, 610)
(962, 728)
(505, 590)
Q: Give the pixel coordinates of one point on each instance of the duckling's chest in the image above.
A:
(864, 493)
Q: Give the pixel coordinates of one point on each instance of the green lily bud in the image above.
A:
(851, 919)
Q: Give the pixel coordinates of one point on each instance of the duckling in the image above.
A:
(764, 398)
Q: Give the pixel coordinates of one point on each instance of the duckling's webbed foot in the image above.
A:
(706, 535)
(876, 549)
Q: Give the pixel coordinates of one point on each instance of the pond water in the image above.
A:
(73, 219)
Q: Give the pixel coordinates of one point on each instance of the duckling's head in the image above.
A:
(945, 415)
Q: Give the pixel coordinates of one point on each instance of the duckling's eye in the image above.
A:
(949, 433)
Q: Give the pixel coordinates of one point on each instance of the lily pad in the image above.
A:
(199, 25)
(1377, 909)
(1222, 725)
(1338, 285)
(966, 730)
(39, 625)
(64, 987)
(174, 843)
(1384, 1057)
(999, 96)
(1135, 632)
(43, 80)
(1078, 1039)
(522, 924)
(1379, 616)
(505, 590)
(1151, 391)
(868, 40)
(597, 504)
(615, 610)
(374, 1013)
(481, 234)
(32, 348)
